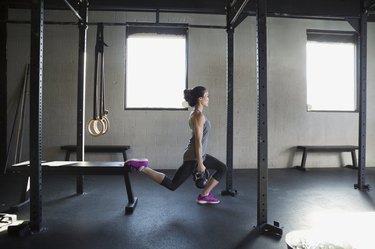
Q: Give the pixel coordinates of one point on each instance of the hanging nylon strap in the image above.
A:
(99, 124)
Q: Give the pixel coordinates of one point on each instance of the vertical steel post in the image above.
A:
(36, 82)
(230, 68)
(83, 12)
(3, 86)
(261, 48)
(362, 54)
(262, 161)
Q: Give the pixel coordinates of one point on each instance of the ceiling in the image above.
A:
(294, 8)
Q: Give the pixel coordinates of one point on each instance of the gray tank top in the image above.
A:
(190, 154)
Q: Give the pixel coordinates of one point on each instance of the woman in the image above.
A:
(195, 157)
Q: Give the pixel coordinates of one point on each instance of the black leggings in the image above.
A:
(188, 167)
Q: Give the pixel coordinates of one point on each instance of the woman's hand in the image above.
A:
(201, 168)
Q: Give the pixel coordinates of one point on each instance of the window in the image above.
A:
(156, 67)
(331, 71)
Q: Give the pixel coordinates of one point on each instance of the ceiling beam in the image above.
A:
(303, 8)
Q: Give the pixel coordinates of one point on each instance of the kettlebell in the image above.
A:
(201, 178)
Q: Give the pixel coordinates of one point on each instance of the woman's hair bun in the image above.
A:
(188, 96)
(192, 95)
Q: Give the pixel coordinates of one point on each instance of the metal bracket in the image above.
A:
(365, 187)
(354, 22)
(231, 192)
(74, 11)
(272, 230)
(20, 230)
(370, 6)
(235, 13)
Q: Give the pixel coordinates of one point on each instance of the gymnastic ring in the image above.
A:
(93, 128)
(100, 126)
(107, 124)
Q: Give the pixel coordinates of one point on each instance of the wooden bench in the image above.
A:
(94, 149)
(327, 148)
(77, 169)
(97, 149)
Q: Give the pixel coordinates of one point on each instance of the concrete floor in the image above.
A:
(164, 219)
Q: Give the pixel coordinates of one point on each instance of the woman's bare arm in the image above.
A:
(198, 121)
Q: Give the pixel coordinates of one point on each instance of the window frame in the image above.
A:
(336, 36)
(155, 28)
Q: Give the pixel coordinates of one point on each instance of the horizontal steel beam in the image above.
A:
(307, 8)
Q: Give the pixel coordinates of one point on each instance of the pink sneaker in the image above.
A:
(137, 164)
(208, 199)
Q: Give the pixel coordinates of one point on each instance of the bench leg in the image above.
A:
(303, 161)
(79, 184)
(354, 159)
(67, 155)
(132, 201)
(304, 156)
(25, 196)
(79, 179)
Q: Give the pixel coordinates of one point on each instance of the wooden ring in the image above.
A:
(106, 124)
(93, 127)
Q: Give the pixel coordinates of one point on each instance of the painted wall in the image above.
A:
(162, 135)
